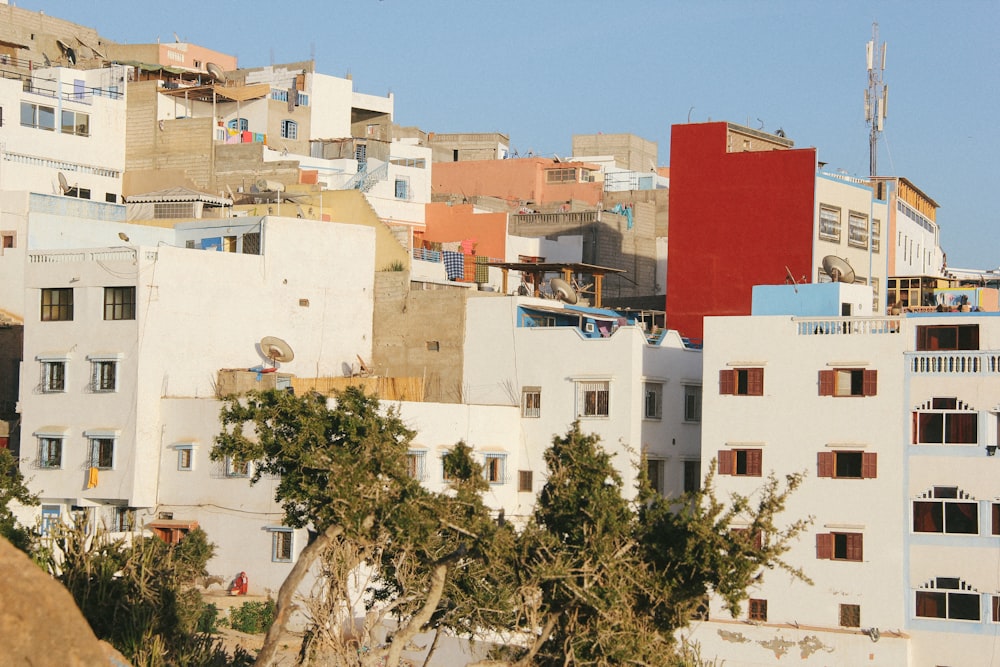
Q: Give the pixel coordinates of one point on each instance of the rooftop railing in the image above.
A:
(98, 255)
(954, 363)
(858, 326)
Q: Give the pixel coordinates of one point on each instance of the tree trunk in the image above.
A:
(283, 605)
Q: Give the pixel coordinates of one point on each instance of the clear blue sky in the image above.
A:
(543, 70)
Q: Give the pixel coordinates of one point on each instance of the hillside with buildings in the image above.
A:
(176, 229)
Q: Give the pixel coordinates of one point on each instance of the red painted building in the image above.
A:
(741, 211)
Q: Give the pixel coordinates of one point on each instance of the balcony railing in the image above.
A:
(954, 363)
(100, 255)
(847, 325)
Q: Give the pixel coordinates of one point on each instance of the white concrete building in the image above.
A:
(122, 352)
(894, 422)
(638, 390)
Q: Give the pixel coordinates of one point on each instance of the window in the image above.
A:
(876, 235)
(946, 509)
(654, 471)
(592, 399)
(228, 244)
(850, 616)
(50, 452)
(757, 610)
(289, 129)
(995, 519)
(105, 375)
(123, 520)
(53, 376)
(239, 124)
(857, 229)
(415, 464)
(692, 403)
(402, 188)
(848, 382)
(433, 346)
(102, 453)
(948, 597)
(531, 401)
(525, 481)
(57, 304)
(847, 465)
(38, 116)
(740, 462)
(236, 468)
(50, 519)
(7, 240)
(494, 468)
(560, 175)
(995, 608)
(743, 535)
(185, 458)
(119, 303)
(692, 476)
(653, 403)
(281, 546)
(945, 421)
(840, 546)
(829, 223)
(742, 381)
(251, 243)
(952, 337)
(75, 122)
(174, 209)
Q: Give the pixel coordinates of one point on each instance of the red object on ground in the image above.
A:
(240, 584)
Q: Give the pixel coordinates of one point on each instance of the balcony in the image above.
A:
(856, 326)
(954, 363)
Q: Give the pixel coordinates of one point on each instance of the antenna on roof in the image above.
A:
(876, 97)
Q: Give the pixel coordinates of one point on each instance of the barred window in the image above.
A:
(592, 399)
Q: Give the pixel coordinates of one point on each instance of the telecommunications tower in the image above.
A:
(876, 96)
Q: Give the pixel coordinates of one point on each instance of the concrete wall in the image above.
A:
(517, 181)
(630, 151)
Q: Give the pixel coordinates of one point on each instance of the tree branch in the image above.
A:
(283, 605)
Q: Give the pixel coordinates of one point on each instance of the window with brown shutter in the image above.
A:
(850, 616)
(741, 462)
(757, 610)
(840, 546)
(727, 383)
(741, 381)
(847, 465)
(848, 382)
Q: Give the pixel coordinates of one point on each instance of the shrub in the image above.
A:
(252, 617)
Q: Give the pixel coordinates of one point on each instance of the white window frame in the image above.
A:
(652, 400)
(495, 462)
(98, 362)
(693, 392)
(278, 535)
(599, 409)
(123, 519)
(416, 464)
(660, 465)
(403, 181)
(289, 129)
(185, 449)
(48, 365)
(531, 402)
(963, 589)
(51, 517)
(857, 229)
(95, 440)
(829, 230)
(57, 440)
(234, 472)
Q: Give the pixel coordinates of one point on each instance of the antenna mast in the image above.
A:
(876, 96)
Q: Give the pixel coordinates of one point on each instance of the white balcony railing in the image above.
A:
(847, 325)
(954, 363)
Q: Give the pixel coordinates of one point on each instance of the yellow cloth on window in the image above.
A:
(92, 478)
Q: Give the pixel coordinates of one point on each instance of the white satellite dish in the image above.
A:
(276, 349)
(215, 72)
(63, 183)
(838, 269)
(562, 290)
(265, 185)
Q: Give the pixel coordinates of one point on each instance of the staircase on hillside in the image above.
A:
(365, 180)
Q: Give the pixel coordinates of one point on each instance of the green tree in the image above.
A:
(14, 490)
(344, 474)
(613, 579)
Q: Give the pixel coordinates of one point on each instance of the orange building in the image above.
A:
(534, 182)
(445, 223)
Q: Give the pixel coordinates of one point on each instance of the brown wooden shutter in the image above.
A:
(726, 462)
(727, 381)
(870, 383)
(824, 463)
(824, 546)
(827, 382)
(854, 546)
(869, 465)
(754, 468)
(755, 382)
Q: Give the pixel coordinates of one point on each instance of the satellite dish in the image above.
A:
(562, 290)
(265, 185)
(63, 183)
(215, 72)
(276, 349)
(838, 269)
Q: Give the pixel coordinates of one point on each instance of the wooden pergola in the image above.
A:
(538, 269)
